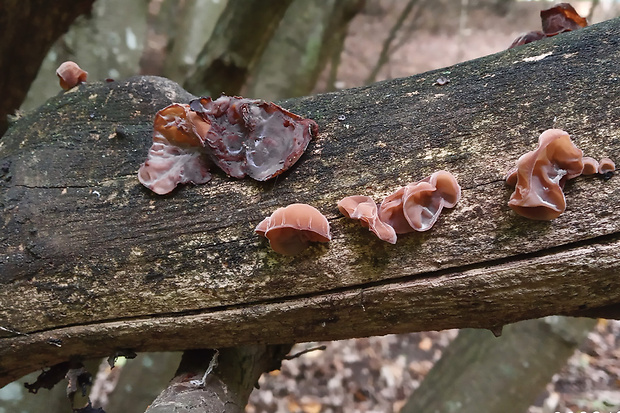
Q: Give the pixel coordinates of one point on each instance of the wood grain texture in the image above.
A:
(93, 259)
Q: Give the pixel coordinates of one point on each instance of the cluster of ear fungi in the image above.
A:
(540, 175)
(259, 139)
(414, 207)
(243, 137)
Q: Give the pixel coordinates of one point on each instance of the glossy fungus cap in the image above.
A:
(176, 155)
(70, 75)
(365, 209)
(291, 229)
(541, 175)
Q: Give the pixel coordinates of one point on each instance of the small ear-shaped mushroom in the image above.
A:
(177, 155)
(541, 175)
(291, 229)
(606, 166)
(424, 201)
(70, 75)
(417, 206)
(365, 209)
(590, 166)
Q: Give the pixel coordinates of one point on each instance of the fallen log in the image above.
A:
(91, 262)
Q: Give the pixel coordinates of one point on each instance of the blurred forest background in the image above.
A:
(292, 48)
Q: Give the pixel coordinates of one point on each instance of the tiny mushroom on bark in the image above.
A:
(291, 229)
(606, 167)
(70, 75)
(365, 209)
(541, 175)
(590, 166)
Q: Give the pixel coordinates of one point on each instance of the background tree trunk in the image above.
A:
(482, 373)
(310, 32)
(227, 388)
(96, 262)
(37, 24)
(237, 42)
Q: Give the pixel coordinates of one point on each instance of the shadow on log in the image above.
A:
(92, 262)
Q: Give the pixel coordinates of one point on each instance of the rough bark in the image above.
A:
(481, 373)
(237, 42)
(225, 389)
(95, 262)
(27, 31)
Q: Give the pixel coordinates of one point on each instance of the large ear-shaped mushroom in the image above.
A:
(541, 175)
(417, 206)
(177, 155)
(365, 209)
(70, 75)
(291, 229)
(253, 137)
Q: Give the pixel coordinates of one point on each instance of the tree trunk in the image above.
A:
(226, 388)
(237, 42)
(309, 34)
(27, 31)
(93, 262)
(482, 373)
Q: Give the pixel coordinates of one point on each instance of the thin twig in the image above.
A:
(301, 353)
(212, 366)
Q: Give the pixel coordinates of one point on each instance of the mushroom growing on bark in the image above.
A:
(290, 230)
(241, 136)
(70, 75)
(176, 155)
(365, 209)
(590, 166)
(416, 207)
(253, 137)
(606, 167)
(541, 175)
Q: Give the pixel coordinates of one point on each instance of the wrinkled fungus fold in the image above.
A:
(291, 229)
(414, 207)
(253, 137)
(241, 136)
(542, 173)
(176, 155)
(365, 209)
(417, 206)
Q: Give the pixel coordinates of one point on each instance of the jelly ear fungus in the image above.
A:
(542, 173)
(176, 155)
(70, 75)
(290, 230)
(414, 207)
(241, 136)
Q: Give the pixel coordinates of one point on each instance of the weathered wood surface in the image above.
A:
(90, 261)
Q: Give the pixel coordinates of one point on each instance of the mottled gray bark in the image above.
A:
(93, 261)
